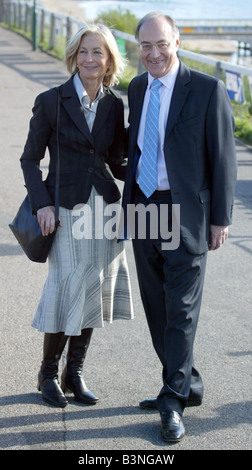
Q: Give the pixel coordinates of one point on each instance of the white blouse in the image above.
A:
(89, 111)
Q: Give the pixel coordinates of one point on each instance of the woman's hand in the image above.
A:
(46, 219)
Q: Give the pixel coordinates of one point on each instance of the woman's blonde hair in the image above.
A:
(115, 71)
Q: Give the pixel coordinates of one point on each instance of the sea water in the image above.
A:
(178, 9)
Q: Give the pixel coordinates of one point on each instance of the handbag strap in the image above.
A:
(57, 164)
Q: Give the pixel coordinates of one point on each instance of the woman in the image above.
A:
(88, 280)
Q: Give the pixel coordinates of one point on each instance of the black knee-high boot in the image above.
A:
(54, 344)
(72, 379)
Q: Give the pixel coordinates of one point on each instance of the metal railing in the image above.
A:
(219, 65)
(51, 31)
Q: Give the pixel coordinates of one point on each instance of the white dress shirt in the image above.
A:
(165, 92)
(89, 111)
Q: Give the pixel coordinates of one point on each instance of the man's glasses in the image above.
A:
(160, 46)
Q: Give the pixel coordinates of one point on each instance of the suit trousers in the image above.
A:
(171, 285)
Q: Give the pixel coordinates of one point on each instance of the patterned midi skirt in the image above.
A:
(88, 278)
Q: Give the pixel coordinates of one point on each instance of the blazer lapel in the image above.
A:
(72, 105)
(179, 95)
(103, 110)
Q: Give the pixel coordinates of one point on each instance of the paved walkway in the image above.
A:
(121, 367)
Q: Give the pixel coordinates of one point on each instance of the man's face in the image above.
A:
(158, 46)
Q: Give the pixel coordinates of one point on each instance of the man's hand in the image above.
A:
(218, 235)
(46, 219)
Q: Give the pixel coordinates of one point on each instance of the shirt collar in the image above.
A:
(167, 80)
(80, 90)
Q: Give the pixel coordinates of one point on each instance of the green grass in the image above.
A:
(243, 122)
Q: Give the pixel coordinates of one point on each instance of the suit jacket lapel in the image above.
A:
(179, 95)
(136, 104)
(72, 105)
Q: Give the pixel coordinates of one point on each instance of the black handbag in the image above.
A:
(25, 226)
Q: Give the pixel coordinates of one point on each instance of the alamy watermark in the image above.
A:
(143, 222)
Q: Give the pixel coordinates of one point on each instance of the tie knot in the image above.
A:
(156, 84)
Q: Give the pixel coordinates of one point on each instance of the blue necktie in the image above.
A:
(148, 179)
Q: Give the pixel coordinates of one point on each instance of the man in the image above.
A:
(195, 169)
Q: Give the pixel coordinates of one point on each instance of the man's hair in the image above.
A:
(153, 15)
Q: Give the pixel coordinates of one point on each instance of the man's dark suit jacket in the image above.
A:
(199, 152)
(86, 158)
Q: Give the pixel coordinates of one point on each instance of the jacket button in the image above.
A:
(90, 170)
(91, 151)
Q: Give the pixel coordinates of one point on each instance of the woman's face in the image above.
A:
(93, 58)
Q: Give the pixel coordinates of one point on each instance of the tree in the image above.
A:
(120, 19)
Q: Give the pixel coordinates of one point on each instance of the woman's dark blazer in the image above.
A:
(86, 159)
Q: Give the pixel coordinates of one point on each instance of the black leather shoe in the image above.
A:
(151, 403)
(172, 428)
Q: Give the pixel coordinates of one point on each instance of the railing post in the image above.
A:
(42, 26)
(52, 32)
(20, 16)
(34, 26)
(68, 29)
(26, 18)
(218, 71)
(14, 19)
